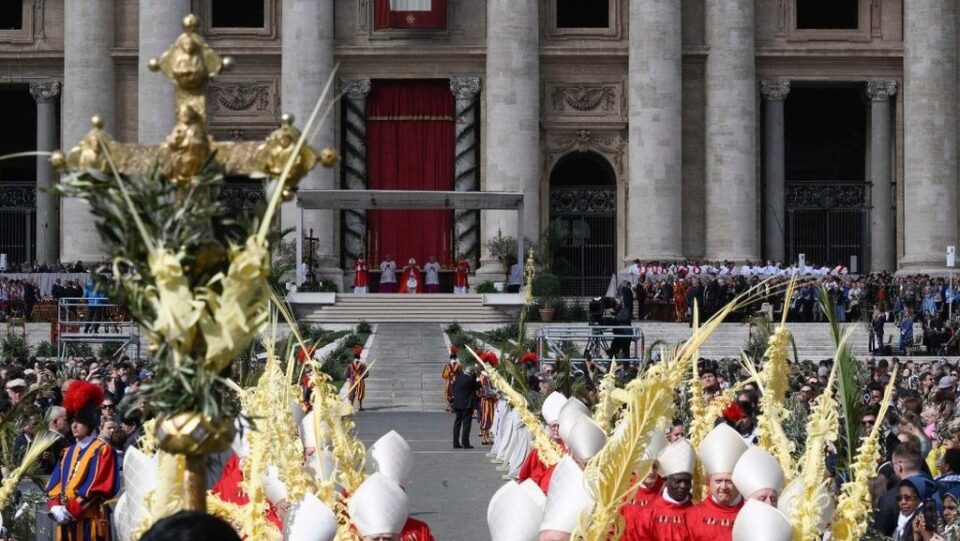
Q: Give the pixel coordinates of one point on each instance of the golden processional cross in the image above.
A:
(190, 63)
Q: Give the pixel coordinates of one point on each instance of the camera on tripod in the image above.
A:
(601, 310)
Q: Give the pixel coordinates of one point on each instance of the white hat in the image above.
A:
(379, 506)
(677, 457)
(757, 470)
(310, 520)
(551, 407)
(758, 521)
(567, 498)
(514, 514)
(572, 410)
(392, 456)
(139, 479)
(307, 434)
(297, 411)
(793, 492)
(658, 440)
(586, 439)
(241, 445)
(274, 489)
(320, 465)
(720, 449)
(534, 492)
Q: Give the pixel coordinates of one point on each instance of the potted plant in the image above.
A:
(503, 248)
(546, 287)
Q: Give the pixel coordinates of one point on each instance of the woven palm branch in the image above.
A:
(40, 444)
(772, 436)
(651, 401)
(607, 404)
(548, 450)
(855, 505)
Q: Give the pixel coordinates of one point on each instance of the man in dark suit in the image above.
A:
(465, 388)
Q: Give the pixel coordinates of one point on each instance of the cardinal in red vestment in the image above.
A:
(461, 285)
(713, 518)
(411, 281)
(360, 275)
(665, 518)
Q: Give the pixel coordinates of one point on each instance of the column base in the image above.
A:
(933, 268)
(737, 259)
(490, 270)
(662, 256)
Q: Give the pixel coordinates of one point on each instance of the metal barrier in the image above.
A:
(89, 321)
(597, 341)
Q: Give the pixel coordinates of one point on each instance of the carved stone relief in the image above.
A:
(247, 106)
(609, 144)
(591, 100)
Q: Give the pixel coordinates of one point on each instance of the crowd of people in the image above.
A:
(42, 266)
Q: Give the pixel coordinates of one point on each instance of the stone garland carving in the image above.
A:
(354, 168)
(881, 90)
(583, 200)
(45, 91)
(583, 97)
(825, 195)
(241, 97)
(466, 222)
(610, 145)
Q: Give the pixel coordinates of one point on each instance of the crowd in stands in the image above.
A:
(34, 266)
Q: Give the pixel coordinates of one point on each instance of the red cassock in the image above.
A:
(532, 467)
(228, 489)
(360, 273)
(415, 530)
(709, 521)
(463, 269)
(661, 521)
(407, 272)
(646, 496)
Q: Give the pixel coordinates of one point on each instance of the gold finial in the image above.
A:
(328, 157)
(97, 122)
(272, 156)
(190, 63)
(191, 23)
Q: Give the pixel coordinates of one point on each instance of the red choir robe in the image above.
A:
(415, 530)
(646, 496)
(83, 480)
(360, 273)
(532, 467)
(660, 521)
(228, 489)
(463, 269)
(409, 271)
(709, 521)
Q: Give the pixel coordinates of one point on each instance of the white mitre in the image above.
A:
(721, 449)
(586, 439)
(321, 465)
(241, 443)
(392, 456)
(378, 507)
(569, 413)
(515, 512)
(657, 442)
(567, 499)
(757, 470)
(307, 433)
(677, 457)
(297, 412)
(273, 488)
(310, 520)
(139, 479)
(793, 492)
(551, 407)
(758, 521)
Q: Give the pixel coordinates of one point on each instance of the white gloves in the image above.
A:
(60, 514)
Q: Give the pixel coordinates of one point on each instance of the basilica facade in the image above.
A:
(650, 129)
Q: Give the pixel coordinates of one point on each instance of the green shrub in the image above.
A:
(46, 349)
(486, 287)
(15, 347)
(80, 350)
(504, 333)
(546, 285)
(576, 312)
(453, 328)
(363, 328)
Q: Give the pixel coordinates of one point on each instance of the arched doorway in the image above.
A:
(583, 213)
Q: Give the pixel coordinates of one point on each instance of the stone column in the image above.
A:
(654, 203)
(731, 123)
(306, 66)
(930, 139)
(89, 88)
(354, 152)
(467, 165)
(883, 253)
(512, 103)
(160, 24)
(47, 95)
(774, 168)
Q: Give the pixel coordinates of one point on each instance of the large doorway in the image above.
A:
(18, 177)
(583, 215)
(826, 204)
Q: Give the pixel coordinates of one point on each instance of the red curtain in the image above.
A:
(410, 146)
(435, 19)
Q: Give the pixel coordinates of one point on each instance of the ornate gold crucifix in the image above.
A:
(190, 63)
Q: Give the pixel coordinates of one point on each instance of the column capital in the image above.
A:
(465, 88)
(45, 91)
(881, 90)
(775, 90)
(355, 89)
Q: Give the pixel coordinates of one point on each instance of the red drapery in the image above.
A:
(435, 19)
(410, 146)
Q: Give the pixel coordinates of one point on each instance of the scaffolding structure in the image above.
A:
(94, 321)
(577, 342)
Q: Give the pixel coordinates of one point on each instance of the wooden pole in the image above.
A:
(195, 483)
